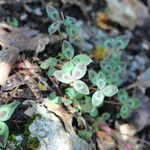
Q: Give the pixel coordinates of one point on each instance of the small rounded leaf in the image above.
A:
(94, 112)
(79, 71)
(92, 76)
(101, 83)
(124, 112)
(97, 98)
(67, 67)
(54, 27)
(123, 96)
(4, 133)
(133, 103)
(105, 116)
(63, 77)
(52, 12)
(110, 90)
(7, 110)
(82, 58)
(50, 62)
(72, 30)
(81, 87)
(67, 50)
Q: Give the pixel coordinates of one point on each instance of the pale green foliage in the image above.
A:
(5, 113)
(69, 22)
(128, 103)
(52, 13)
(72, 68)
(54, 27)
(80, 87)
(67, 50)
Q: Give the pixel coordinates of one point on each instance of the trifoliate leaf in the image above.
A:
(94, 112)
(133, 103)
(63, 77)
(123, 96)
(67, 50)
(81, 87)
(92, 76)
(110, 90)
(101, 83)
(67, 67)
(7, 110)
(85, 134)
(4, 133)
(97, 98)
(50, 62)
(79, 71)
(124, 112)
(52, 12)
(82, 58)
(54, 27)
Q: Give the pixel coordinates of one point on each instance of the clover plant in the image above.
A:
(5, 113)
(87, 93)
(58, 20)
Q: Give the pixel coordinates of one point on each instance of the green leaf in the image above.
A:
(50, 62)
(117, 43)
(70, 21)
(105, 116)
(113, 79)
(100, 75)
(133, 103)
(92, 76)
(81, 87)
(94, 112)
(117, 69)
(67, 50)
(51, 71)
(101, 83)
(97, 98)
(85, 134)
(82, 58)
(71, 93)
(124, 112)
(54, 27)
(56, 100)
(13, 21)
(52, 95)
(52, 12)
(7, 110)
(110, 90)
(79, 71)
(72, 30)
(107, 69)
(68, 102)
(122, 96)
(67, 67)
(122, 42)
(63, 77)
(4, 133)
